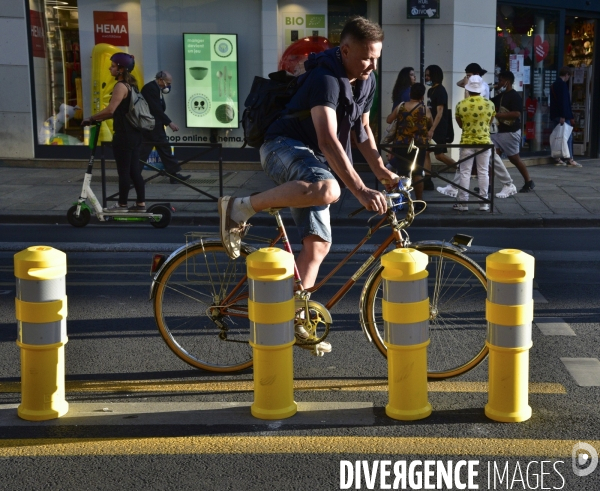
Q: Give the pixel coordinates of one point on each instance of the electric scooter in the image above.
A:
(159, 214)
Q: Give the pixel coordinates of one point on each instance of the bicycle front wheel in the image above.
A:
(457, 324)
(201, 307)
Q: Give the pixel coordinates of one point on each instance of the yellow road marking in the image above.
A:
(199, 445)
(248, 386)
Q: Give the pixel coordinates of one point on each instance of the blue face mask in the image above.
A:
(428, 82)
(166, 89)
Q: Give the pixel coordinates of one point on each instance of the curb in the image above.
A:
(429, 220)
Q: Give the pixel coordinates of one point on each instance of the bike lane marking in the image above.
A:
(248, 386)
(353, 445)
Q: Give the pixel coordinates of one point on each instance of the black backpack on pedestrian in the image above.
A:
(266, 103)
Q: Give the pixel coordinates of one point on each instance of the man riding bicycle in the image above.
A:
(300, 152)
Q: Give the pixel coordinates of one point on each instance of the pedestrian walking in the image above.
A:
(560, 110)
(473, 116)
(500, 171)
(437, 102)
(127, 140)
(509, 105)
(153, 93)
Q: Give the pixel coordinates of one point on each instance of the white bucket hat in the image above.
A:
(475, 84)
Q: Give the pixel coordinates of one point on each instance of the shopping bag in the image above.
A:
(154, 159)
(559, 139)
(390, 133)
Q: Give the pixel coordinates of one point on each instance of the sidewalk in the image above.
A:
(563, 197)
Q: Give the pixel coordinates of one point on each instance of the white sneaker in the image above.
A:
(507, 190)
(459, 207)
(231, 231)
(484, 207)
(449, 190)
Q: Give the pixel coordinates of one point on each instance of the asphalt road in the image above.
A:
(141, 418)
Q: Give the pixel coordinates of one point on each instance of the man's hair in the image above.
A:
(564, 71)
(361, 30)
(435, 74)
(507, 75)
(417, 91)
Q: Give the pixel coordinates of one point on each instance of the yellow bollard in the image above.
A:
(271, 311)
(509, 312)
(41, 311)
(405, 308)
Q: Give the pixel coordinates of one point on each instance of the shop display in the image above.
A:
(211, 80)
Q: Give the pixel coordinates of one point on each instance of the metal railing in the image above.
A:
(208, 147)
(392, 149)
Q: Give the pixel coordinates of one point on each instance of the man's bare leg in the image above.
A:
(313, 252)
(297, 194)
(518, 163)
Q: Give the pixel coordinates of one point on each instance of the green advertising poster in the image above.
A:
(211, 80)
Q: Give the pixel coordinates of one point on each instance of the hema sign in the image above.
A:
(111, 28)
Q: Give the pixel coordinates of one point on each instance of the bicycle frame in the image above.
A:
(393, 237)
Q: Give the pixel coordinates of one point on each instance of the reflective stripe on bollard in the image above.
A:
(271, 312)
(41, 312)
(405, 309)
(509, 312)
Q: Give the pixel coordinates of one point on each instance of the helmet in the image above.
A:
(123, 60)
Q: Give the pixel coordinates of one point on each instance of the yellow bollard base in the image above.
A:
(281, 413)
(504, 417)
(58, 409)
(404, 415)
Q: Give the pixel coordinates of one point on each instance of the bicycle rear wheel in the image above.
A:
(201, 307)
(457, 324)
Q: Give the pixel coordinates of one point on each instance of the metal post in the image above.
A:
(422, 51)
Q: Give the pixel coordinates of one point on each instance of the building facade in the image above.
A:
(54, 52)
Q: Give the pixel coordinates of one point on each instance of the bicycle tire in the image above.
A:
(457, 324)
(191, 286)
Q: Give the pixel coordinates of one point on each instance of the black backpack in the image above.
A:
(266, 103)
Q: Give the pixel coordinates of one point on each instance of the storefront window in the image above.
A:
(57, 71)
(527, 45)
(579, 53)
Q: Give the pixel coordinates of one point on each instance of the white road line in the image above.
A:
(553, 326)
(538, 297)
(585, 371)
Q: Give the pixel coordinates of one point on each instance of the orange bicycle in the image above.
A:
(200, 297)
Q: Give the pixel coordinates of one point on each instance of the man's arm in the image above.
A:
(325, 122)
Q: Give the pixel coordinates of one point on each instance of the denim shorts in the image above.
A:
(285, 159)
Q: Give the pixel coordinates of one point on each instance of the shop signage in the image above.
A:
(423, 9)
(111, 28)
(541, 48)
(37, 34)
(211, 80)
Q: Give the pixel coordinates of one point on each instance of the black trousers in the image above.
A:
(163, 148)
(126, 150)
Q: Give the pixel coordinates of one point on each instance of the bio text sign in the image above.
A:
(111, 28)
(423, 9)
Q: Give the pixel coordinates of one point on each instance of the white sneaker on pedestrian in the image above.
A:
(507, 190)
(484, 207)
(449, 190)
(460, 207)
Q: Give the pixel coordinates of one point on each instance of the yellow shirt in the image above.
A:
(476, 114)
